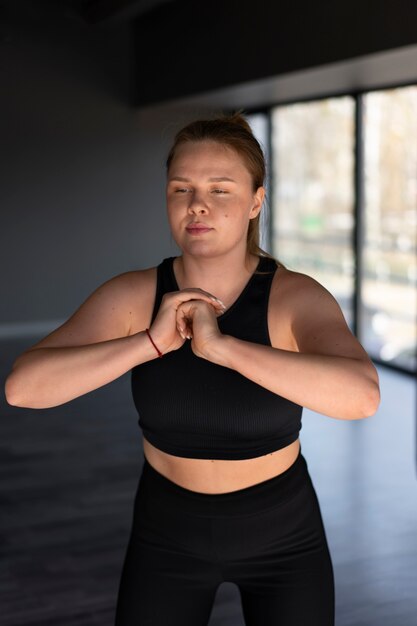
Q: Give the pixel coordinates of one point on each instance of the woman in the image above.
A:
(225, 346)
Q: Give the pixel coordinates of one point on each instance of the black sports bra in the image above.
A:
(193, 408)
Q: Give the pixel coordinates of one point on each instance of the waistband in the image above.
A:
(252, 499)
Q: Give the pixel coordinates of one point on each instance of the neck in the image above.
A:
(223, 276)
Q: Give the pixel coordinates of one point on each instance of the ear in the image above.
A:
(258, 198)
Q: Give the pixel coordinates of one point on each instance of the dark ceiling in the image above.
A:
(91, 12)
(184, 47)
(99, 11)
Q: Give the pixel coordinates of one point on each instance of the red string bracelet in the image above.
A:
(153, 343)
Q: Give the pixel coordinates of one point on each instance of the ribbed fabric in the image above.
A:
(193, 408)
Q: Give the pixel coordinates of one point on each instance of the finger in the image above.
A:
(212, 297)
(183, 324)
(198, 294)
(188, 327)
(191, 307)
(180, 321)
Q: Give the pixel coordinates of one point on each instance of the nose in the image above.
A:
(197, 204)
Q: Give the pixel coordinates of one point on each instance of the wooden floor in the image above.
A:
(69, 474)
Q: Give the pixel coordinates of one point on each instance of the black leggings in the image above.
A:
(268, 539)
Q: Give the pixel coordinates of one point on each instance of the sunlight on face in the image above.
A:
(210, 198)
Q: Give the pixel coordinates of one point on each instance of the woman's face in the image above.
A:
(210, 198)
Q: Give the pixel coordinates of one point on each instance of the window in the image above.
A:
(313, 200)
(259, 125)
(314, 184)
(388, 327)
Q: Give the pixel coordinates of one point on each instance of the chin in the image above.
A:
(200, 248)
(206, 249)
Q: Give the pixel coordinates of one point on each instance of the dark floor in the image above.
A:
(67, 483)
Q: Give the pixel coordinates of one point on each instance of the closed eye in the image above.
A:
(219, 191)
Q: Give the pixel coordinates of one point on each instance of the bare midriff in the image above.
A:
(218, 475)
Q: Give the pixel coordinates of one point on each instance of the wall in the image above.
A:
(82, 175)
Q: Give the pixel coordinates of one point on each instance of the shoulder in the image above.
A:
(111, 311)
(291, 289)
(134, 279)
(127, 284)
(139, 288)
(305, 308)
(129, 295)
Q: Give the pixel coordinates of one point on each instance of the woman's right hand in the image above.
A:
(164, 330)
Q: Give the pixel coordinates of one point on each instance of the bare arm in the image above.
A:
(329, 372)
(47, 377)
(337, 386)
(94, 346)
(89, 350)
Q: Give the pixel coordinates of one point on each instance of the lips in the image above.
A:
(197, 229)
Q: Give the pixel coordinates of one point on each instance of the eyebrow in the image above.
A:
(215, 179)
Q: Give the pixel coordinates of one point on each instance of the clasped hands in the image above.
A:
(188, 314)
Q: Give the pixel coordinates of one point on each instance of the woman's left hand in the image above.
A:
(196, 320)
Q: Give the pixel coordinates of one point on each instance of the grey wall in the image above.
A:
(82, 172)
